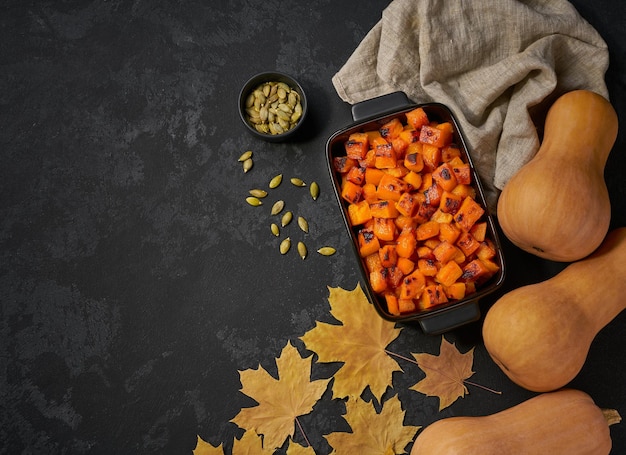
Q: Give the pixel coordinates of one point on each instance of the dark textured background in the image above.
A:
(135, 281)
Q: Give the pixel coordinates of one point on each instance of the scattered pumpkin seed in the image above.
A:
(258, 193)
(276, 181)
(302, 250)
(304, 224)
(314, 189)
(274, 229)
(254, 201)
(297, 182)
(286, 219)
(285, 245)
(327, 251)
(247, 165)
(247, 154)
(278, 207)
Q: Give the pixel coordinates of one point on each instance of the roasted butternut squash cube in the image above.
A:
(369, 193)
(351, 192)
(441, 217)
(445, 177)
(359, 213)
(404, 222)
(474, 271)
(391, 188)
(431, 155)
(373, 175)
(356, 175)
(372, 262)
(405, 264)
(468, 214)
(410, 135)
(449, 273)
(428, 267)
(408, 204)
(406, 305)
(467, 243)
(433, 295)
(455, 291)
(392, 303)
(406, 243)
(413, 161)
(479, 231)
(417, 118)
(427, 230)
(449, 153)
(369, 160)
(462, 173)
(464, 191)
(343, 164)
(368, 242)
(399, 171)
(412, 285)
(357, 146)
(384, 229)
(384, 209)
(378, 280)
(433, 194)
(391, 129)
(385, 156)
(445, 252)
(388, 255)
(414, 179)
(439, 136)
(394, 276)
(449, 232)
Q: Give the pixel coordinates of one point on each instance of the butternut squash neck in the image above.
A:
(601, 278)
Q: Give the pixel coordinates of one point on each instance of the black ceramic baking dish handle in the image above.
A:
(380, 105)
(449, 320)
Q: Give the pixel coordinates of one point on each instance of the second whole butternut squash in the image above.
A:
(540, 334)
(557, 205)
(565, 422)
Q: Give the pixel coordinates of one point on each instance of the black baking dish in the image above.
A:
(370, 115)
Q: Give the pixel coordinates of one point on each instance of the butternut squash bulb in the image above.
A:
(557, 423)
(557, 205)
(540, 334)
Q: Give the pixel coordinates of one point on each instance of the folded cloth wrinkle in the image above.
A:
(497, 65)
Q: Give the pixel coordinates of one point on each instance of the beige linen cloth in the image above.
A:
(497, 64)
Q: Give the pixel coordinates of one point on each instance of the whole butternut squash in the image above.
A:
(540, 334)
(557, 205)
(565, 422)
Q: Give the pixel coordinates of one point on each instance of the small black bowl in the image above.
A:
(256, 81)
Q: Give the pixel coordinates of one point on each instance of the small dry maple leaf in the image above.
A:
(372, 433)
(281, 400)
(359, 342)
(204, 448)
(445, 373)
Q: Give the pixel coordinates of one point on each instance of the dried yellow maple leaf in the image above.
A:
(204, 448)
(360, 342)
(372, 433)
(296, 449)
(281, 401)
(445, 373)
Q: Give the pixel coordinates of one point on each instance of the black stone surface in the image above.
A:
(135, 281)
